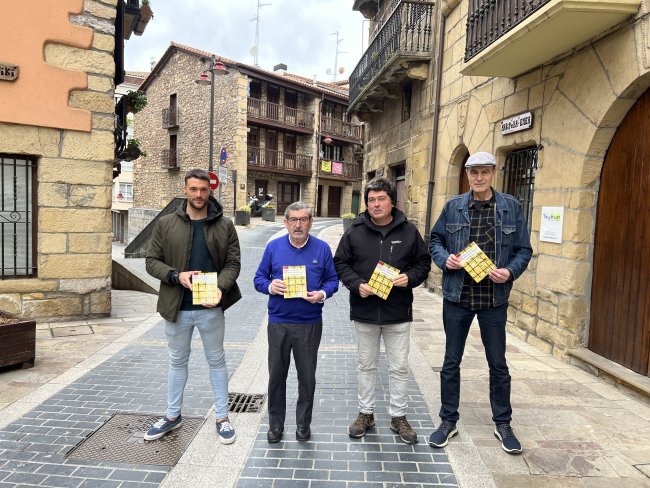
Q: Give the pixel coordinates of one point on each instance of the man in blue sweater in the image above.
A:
(295, 323)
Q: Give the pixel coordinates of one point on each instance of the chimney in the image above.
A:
(280, 68)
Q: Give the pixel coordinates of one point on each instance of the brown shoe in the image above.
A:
(363, 422)
(403, 428)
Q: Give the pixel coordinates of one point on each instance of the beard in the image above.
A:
(197, 206)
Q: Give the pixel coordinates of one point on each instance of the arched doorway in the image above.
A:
(463, 182)
(620, 297)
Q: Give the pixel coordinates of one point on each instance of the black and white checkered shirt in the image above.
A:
(478, 296)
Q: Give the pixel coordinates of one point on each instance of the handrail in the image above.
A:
(407, 30)
(137, 247)
(262, 109)
(270, 158)
(338, 168)
(337, 127)
(488, 20)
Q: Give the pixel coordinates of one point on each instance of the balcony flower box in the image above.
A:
(17, 340)
(268, 214)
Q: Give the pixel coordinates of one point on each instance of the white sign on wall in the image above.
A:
(550, 229)
(517, 123)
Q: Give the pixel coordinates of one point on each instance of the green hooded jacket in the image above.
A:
(169, 250)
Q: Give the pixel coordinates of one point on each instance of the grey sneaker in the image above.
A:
(446, 430)
(404, 429)
(363, 422)
(509, 441)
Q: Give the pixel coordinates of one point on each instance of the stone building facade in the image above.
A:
(57, 156)
(267, 122)
(561, 118)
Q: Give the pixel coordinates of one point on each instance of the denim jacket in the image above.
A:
(450, 235)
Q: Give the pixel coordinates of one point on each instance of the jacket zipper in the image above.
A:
(381, 248)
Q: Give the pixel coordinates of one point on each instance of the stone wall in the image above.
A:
(577, 102)
(74, 171)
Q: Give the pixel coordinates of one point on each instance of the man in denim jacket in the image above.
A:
(494, 221)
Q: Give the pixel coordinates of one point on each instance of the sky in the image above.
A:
(297, 33)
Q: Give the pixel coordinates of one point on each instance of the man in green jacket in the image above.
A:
(196, 238)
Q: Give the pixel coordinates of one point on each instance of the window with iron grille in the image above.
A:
(519, 179)
(17, 216)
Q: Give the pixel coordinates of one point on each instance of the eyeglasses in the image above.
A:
(302, 220)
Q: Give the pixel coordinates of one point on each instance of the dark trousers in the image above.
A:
(492, 322)
(304, 340)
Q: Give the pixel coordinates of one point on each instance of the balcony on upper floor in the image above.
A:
(169, 159)
(509, 37)
(401, 49)
(341, 130)
(274, 115)
(338, 170)
(274, 161)
(170, 117)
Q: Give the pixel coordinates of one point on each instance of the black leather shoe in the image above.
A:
(303, 434)
(274, 435)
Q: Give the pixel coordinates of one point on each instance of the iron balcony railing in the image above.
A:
(169, 159)
(337, 127)
(170, 117)
(272, 159)
(488, 20)
(261, 109)
(338, 169)
(407, 31)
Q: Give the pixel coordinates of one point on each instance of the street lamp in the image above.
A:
(216, 68)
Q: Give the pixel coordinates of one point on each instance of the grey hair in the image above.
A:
(296, 206)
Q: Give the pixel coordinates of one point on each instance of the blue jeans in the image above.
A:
(492, 322)
(211, 325)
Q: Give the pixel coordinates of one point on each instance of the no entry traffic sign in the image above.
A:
(214, 180)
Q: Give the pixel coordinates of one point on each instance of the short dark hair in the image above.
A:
(381, 183)
(200, 174)
(296, 206)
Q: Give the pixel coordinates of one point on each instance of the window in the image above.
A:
(17, 217)
(333, 152)
(127, 165)
(407, 92)
(126, 190)
(519, 179)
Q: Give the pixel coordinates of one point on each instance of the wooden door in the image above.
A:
(287, 194)
(463, 182)
(289, 146)
(620, 298)
(253, 141)
(271, 157)
(319, 202)
(273, 107)
(334, 201)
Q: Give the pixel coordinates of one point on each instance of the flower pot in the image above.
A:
(347, 223)
(17, 340)
(268, 214)
(242, 217)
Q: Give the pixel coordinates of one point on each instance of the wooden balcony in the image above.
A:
(401, 47)
(170, 117)
(509, 37)
(169, 159)
(269, 114)
(338, 170)
(339, 129)
(279, 161)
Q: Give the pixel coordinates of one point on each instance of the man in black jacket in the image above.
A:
(382, 233)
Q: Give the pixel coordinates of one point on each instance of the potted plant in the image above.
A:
(268, 213)
(347, 220)
(17, 340)
(145, 10)
(134, 150)
(135, 101)
(243, 215)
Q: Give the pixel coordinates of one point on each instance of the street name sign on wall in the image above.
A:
(517, 123)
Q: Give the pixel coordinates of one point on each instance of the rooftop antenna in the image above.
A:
(255, 50)
(336, 55)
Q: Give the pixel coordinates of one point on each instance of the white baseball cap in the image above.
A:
(481, 159)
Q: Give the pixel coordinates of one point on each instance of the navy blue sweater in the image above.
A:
(316, 256)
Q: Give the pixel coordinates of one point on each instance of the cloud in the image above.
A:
(295, 32)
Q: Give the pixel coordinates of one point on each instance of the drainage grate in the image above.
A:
(245, 403)
(121, 439)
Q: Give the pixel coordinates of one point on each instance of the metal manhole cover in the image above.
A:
(121, 439)
(245, 403)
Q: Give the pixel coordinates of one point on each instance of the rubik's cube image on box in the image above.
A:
(295, 279)
(204, 289)
(476, 262)
(381, 281)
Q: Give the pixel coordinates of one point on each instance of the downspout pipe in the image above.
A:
(436, 118)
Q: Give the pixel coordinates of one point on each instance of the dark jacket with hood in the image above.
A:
(169, 250)
(362, 246)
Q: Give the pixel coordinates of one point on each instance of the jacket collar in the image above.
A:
(215, 210)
